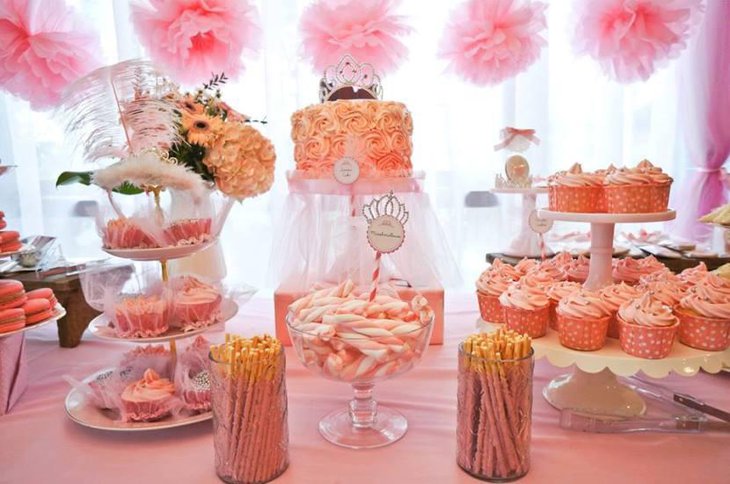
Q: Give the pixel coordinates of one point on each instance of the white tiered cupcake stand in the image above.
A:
(527, 242)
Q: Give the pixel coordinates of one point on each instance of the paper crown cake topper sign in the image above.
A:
(350, 80)
(386, 217)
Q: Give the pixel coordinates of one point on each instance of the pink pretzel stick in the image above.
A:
(376, 276)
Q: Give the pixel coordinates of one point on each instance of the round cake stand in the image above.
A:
(592, 387)
(527, 241)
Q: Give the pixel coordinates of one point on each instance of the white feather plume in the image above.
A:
(120, 110)
(148, 169)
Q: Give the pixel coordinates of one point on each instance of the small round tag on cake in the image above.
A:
(537, 224)
(346, 170)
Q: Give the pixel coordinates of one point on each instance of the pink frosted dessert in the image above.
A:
(693, 275)
(196, 304)
(192, 376)
(196, 395)
(188, 232)
(555, 293)
(559, 262)
(503, 269)
(148, 399)
(704, 315)
(576, 191)
(525, 265)
(102, 390)
(667, 292)
(489, 288)
(614, 296)
(630, 270)
(663, 275)
(141, 316)
(643, 189)
(583, 318)
(648, 328)
(549, 271)
(577, 271)
(125, 234)
(526, 307)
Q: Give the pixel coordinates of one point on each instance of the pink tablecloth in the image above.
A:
(38, 443)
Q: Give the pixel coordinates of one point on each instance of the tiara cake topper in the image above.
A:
(386, 217)
(350, 80)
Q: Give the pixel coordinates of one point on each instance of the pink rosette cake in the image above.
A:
(643, 189)
(141, 316)
(489, 288)
(148, 399)
(648, 328)
(188, 232)
(577, 270)
(196, 304)
(704, 315)
(583, 318)
(125, 234)
(576, 191)
(526, 307)
(615, 296)
(555, 293)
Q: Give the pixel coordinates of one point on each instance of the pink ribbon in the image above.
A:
(509, 134)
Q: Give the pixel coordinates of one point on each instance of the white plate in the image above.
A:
(58, 313)
(83, 412)
(607, 218)
(164, 253)
(100, 328)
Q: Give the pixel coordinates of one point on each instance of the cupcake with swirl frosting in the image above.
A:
(196, 304)
(555, 293)
(577, 271)
(526, 307)
(704, 315)
(648, 328)
(576, 191)
(148, 399)
(667, 292)
(583, 318)
(642, 189)
(630, 270)
(615, 296)
(489, 287)
(693, 275)
(525, 265)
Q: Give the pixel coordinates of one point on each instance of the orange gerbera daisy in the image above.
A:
(188, 104)
(201, 129)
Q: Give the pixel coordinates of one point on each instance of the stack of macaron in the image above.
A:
(641, 189)
(19, 309)
(9, 241)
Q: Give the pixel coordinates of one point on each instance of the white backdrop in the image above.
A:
(579, 115)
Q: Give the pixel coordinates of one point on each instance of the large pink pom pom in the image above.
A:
(488, 41)
(366, 29)
(43, 48)
(630, 38)
(193, 39)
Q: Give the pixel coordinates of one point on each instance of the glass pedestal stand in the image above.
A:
(527, 242)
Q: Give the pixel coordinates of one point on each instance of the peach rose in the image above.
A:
(317, 147)
(356, 123)
(400, 144)
(300, 127)
(323, 121)
(337, 145)
(376, 145)
(391, 164)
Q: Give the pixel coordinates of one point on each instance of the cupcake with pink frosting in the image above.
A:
(704, 315)
(489, 287)
(693, 275)
(555, 293)
(648, 328)
(554, 271)
(526, 307)
(583, 318)
(148, 399)
(196, 304)
(663, 275)
(615, 296)
(525, 265)
(577, 270)
(667, 292)
(630, 270)
(141, 316)
(576, 191)
(642, 189)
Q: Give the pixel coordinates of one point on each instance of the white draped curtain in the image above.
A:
(579, 115)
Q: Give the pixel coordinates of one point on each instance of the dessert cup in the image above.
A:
(490, 308)
(699, 332)
(582, 199)
(648, 198)
(531, 322)
(650, 342)
(583, 334)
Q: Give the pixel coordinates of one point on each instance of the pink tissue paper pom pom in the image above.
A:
(366, 29)
(489, 41)
(44, 47)
(192, 39)
(631, 38)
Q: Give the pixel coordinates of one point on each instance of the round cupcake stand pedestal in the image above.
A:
(527, 242)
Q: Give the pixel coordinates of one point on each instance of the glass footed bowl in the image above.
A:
(361, 361)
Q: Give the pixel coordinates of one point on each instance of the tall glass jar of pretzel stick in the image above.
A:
(494, 415)
(250, 432)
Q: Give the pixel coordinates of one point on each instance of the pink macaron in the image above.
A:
(11, 320)
(12, 294)
(37, 310)
(3, 223)
(9, 241)
(43, 293)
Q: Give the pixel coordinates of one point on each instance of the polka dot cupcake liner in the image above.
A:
(576, 199)
(637, 198)
(531, 322)
(490, 308)
(583, 334)
(709, 334)
(650, 342)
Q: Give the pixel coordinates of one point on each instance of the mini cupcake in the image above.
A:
(614, 296)
(663, 275)
(577, 271)
(630, 270)
(148, 399)
(555, 293)
(576, 191)
(666, 292)
(125, 234)
(583, 319)
(525, 265)
(704, 315)
(693, 275)
(188, 232)
(196, 304)
(648, 328)
(551, 270)
(502, 268)
(643, 189)
(526, 307)
(489, 288)
(141, 316)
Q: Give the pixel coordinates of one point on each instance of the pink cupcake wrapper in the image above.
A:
(637, 198)
(583, 334)
(490, 308)
(576, 199)
(553, 318)
(709, 334)
(614, 329)
(531, 322)
(650, 342)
